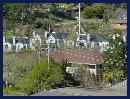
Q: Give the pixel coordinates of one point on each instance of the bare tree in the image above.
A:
(84, 76)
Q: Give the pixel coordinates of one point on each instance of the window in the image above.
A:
(92, 66)
(16, 41)
(81, 37)
(69, 65)
(25, 47)
(99, 66)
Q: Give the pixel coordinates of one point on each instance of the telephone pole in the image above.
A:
(22, 23)
(79, 18)
(48, 54)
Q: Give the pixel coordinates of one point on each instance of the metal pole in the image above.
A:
(79, 18)
(48, 54)
(22, 24)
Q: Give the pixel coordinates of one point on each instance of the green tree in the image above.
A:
(88, 12)
(105, 18)
(40, 77)
(94, 11)
(115, 60)
(91, 26)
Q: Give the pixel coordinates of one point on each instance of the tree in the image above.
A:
(94, 11)
(88, 12)
(91, 26)
(17, 65)
(85, 78)
(105, 18)
(115, 60)
(40, 78)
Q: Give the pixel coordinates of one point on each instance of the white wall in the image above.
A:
(19, 46)
(95, 71)
(9, 46)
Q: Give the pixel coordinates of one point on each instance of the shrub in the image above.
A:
(12, 91)
(18, 64)
(40, 77)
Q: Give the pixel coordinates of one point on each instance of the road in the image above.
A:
(72, 91)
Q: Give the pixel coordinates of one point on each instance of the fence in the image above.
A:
(91, 81)
(117, 86)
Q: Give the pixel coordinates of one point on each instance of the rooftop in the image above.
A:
(78, 56)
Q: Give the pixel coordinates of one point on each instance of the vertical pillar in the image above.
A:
(88, 37)
(48, 55)
(3, 39)
(13, 40)
(79, 18)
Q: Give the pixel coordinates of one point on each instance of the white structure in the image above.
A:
(51, 39)
(57, 39)
(92, 42)
(19, 46)
(15, 43)
(35, 40)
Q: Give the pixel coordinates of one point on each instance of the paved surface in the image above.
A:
(71, 91)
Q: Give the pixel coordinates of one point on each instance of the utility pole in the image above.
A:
(49, 28)
(79, 18)
(22, 23)
(48, 54)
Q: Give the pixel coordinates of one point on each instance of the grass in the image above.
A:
(67, 22)
(18, 64)
(10, 91)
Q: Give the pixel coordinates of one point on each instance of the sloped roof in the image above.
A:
(98, 38)
(78, 56)
(9, 40)
(39, 32)
(60, 35)
(22, 40)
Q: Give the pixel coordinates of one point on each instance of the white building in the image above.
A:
(57, 39)
(15, 43)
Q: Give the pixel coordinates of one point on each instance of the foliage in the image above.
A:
(69, 79)
(40, 77)
(29, 30)
(9, 33)
(85, 78)
(98, 10)
(13, 13)
(91, 26)
(17, 65)
(94, 11)
(105, 18)
(12, 91)
(40, 15)
(56, 78)
(115, 59)
(43, 23)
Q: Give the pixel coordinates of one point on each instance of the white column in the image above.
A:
(79, 18)
(48, 55)
(88, 37)
(92, 46)
(13, 40)
(3, 39)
